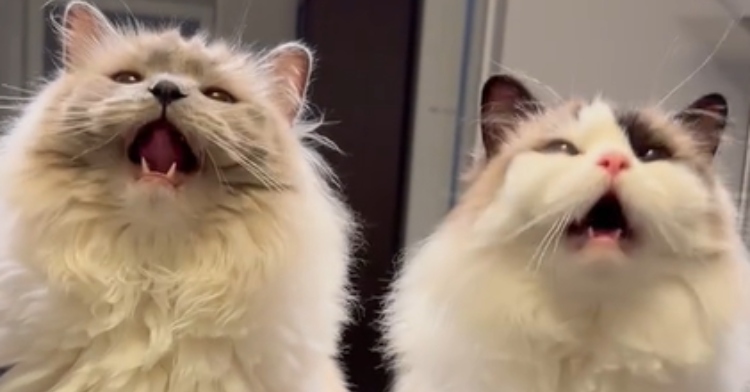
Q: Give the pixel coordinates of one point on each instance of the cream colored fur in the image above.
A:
(236, 283)
(494, 301)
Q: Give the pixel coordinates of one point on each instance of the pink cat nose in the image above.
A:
(614, 163)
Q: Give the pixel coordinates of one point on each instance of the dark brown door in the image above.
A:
(363, 85)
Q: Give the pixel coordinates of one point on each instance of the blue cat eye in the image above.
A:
(560, 146)
(651, 154)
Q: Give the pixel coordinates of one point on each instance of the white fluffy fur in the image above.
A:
(475, 310)
(106, 285)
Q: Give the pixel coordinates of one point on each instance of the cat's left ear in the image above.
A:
(505, 101)
(83, 27)
(291, 65)
(706, 119)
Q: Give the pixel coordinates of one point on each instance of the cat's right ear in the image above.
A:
(505, 102)
(83, 28)
(706, 120)
(291, 64)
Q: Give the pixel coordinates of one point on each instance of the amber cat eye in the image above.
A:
(220, 95)
(127, 77)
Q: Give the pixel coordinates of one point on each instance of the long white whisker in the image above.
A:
(662, 63)
(522, 75)
(705, 62)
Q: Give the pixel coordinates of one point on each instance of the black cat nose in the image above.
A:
(166, 92)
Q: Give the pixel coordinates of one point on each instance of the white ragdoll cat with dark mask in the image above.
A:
(595, 250)
(165, 225)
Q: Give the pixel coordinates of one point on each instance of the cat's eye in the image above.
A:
(220, 95)
(560, 146)
(655, 153)
(127, 77)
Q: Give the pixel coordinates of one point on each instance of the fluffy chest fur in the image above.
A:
(511, 332)
(166, 226)
(222, 310)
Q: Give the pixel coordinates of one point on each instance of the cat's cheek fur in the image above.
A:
(677, 199)
(528, 194)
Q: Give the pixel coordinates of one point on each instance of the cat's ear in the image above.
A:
(83, 27)
(505, 102)
(291, 65)
(706, 119)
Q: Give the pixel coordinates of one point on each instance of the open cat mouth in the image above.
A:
(162, 152)
(605, 221)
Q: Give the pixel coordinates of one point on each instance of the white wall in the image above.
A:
(632, 51)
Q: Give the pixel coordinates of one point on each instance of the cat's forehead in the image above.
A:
(600, 120)
(597, 118)
(169, 51)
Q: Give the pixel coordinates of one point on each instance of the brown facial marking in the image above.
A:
(642, 135)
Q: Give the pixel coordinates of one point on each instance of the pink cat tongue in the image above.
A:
(161, 148)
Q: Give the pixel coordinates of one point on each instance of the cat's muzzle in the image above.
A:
(162, 152)
(605, 221)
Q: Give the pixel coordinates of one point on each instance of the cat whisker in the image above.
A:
(561, 231)
(96, 146)
(16, 99)
(702, 65)
(525, 76)
(254, 169)
(553, 210)
(18, 89)
(217, 170)
(657, 75)
(553, 234)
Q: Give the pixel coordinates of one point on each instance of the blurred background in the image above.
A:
(398, 82)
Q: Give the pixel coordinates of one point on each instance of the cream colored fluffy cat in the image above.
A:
(165, 226)
(594, 251)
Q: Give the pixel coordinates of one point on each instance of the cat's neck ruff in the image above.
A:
(517, 325)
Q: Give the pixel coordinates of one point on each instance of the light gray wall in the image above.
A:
(261, 22)
(450, 71)
(12, 49)
(635, 52)
(631, 51)
(264, 22)
(439, 110)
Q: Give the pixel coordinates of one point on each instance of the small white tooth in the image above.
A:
(144, 166)
(590, 231)
(172, 171)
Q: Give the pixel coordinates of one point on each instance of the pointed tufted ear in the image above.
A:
(706, 119)
(83, 28)
(291, 65)
(505, 101)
